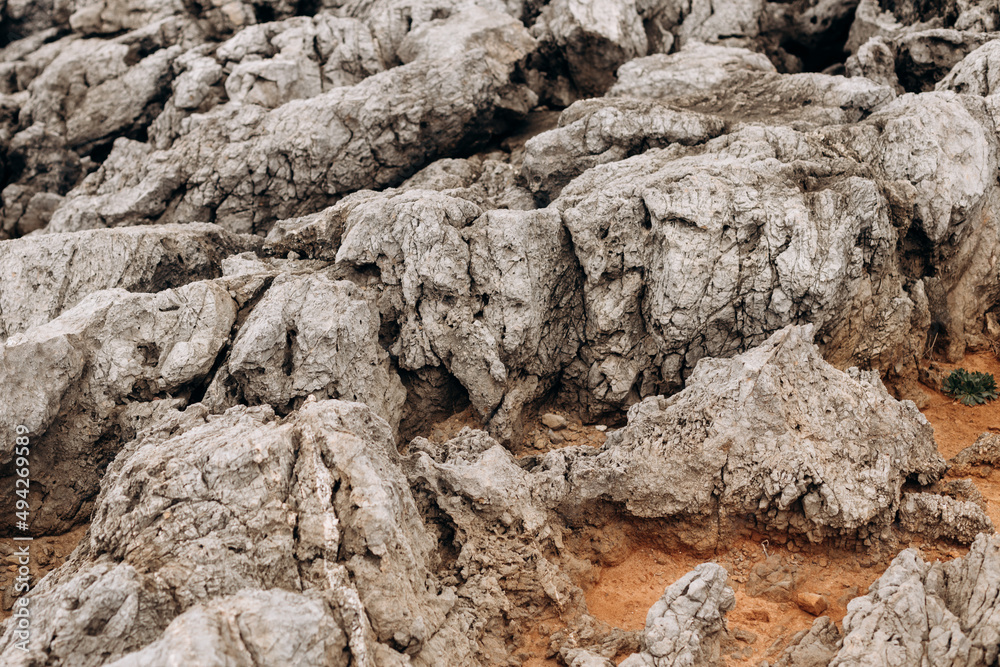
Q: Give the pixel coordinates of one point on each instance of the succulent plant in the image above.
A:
(970, 388)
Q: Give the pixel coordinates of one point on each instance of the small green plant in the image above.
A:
(970, 388)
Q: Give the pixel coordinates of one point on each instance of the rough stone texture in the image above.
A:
(60, 270)
(697, 255)
(316, 503)
(309, 335)
(935, 516)
(776, 433)
(732, 183)
(985, 451)
(599, 131)
(66, 381)
(593, 37)
(685, 626)
(921, 613)
(814, 647)
(271, 167)
(266, 628)
(492, 298)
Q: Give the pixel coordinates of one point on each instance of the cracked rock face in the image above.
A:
(776, 433)
(261, 262)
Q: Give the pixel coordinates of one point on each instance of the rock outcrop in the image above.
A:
(307, 310)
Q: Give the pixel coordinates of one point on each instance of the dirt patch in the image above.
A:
(957, 426)
(47, 553)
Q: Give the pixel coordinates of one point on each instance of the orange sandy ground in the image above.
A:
(622, 594)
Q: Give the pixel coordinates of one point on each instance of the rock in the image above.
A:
(976, 74)
(276, 506)
(252, 627)
(491, 298)
(941, 613)
(309, 336)
(553, 421)
(985, 451)
(585, 658)
(598, 131)
(60, 270)
(136, 184)
(685, 626)
(815, 647)
(812, 603)
(66, 382)
(774, 580)
(594, 38)
(753, 435)
(935, 516)
(472, 27)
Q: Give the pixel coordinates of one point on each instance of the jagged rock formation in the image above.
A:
(916, 613)
(250, 252)
(684, 626)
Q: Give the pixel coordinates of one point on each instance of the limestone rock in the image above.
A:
(765, 433)
(272, 627)
(67, 380)
(271, 168)
(685, 626)
(598, 131)
(60, 270)
(985, 451)
(316, 504)
(310, 335)
(923, 613)
(934, 516)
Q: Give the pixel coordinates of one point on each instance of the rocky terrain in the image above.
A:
(498, 332)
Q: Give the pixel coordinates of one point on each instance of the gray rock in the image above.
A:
(60, 270)
(309, 335)
(685, 626)
(597, 131)
(372, 135)
(66, 381)
(985, 451)
(593, 37)
(935, 516)
(266, 628)
(776, 433)
(921, 613)
(199, 507)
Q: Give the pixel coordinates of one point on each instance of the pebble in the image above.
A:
(555, 438)
(812, 603)
(601, 427)
(554, 421)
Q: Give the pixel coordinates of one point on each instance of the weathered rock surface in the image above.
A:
(574, 208)
(684, 627)
(66, 382)
(60, 270)
(309, 336)
(314, 504)
(985, 451)
(271, 166)
(775, 433)
(916, 613)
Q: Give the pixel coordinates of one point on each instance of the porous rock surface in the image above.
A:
(253, 253)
